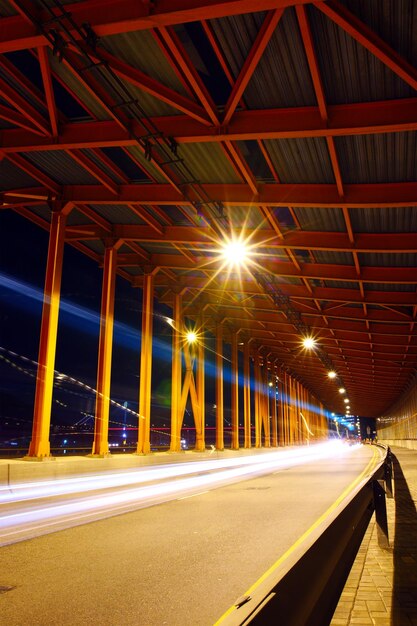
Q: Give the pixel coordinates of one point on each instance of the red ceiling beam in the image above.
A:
(271, 317)
(312, 60)
(340, 327)
(262, 39)
(116, 171)
(315, 319)
(35, 173)
(208, 29)
(313, 240)
(319, 195)
(352, 119)
(189, 72)
(77, 67)
(23, 106)
(299, 195)
(335, 165)
(235, 156)
(339, 14)
(95, 217)
(122, 16)
(94, 170)
(401, 275)
(16, 119)
(154, 88)
(48, 88)
(24, 83)
(297, 292)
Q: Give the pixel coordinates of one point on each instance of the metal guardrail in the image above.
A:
(304, 590)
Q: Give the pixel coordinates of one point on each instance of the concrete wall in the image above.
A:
(399, 426)
(411, 444)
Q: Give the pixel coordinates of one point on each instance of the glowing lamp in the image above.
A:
(309, 343)
(235, 252)
(191, 336)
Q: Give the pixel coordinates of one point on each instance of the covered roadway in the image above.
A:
(185, 561)
(250, 168)
(155, 137)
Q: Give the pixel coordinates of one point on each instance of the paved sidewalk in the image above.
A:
(381, 589)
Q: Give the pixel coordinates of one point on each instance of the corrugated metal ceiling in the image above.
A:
(301, 160)
(349, 72)
(282, 78)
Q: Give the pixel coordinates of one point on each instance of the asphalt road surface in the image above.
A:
(181, 562)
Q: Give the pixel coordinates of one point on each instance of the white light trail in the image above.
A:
(176, 483)
(105, 480)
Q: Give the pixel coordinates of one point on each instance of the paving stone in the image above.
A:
(385, 581)
(375, 605)
(359, 613)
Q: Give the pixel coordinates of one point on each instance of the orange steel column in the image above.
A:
(267, 421)
(298, 430)
(258, 441)
(219, 389)
(287, 409)
(281, 433)
(101, 423)
(200, 443)
(39, 446)
(274, 421)
(175, 445)
(235, 394)
(246, 395)
(145, 386)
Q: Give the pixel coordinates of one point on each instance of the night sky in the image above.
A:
(22, 271)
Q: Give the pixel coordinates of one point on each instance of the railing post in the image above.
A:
(381, 513)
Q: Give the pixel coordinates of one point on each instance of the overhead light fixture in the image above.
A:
(309, 343)
(345, 400)
(331, 374)
(191, 336)
(235, 252)
(270, 384)
(342, 390)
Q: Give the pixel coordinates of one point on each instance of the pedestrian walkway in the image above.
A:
(381, 589)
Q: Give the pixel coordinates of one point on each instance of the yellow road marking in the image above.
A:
(299, 541)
